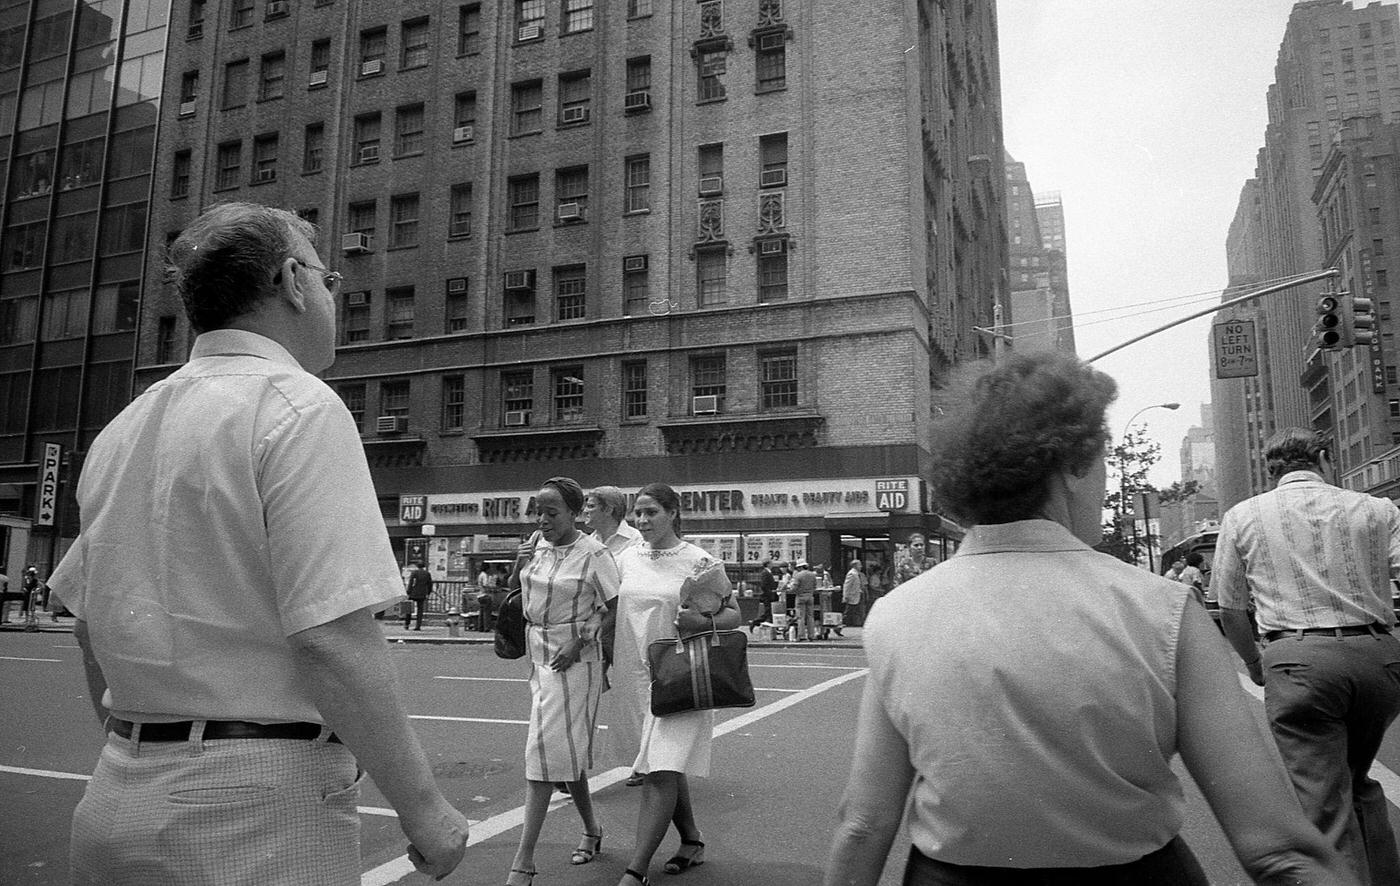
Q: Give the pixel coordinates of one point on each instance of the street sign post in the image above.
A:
(1236, 350)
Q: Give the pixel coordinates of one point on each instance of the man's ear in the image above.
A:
(289, 287)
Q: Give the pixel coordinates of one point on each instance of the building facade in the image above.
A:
(624, 242)
(1040, 316)
(80, 89)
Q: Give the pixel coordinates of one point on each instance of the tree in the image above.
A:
(1181, 490)
(1130, 460)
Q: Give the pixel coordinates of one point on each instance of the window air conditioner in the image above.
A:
(711, 185)
(390, 424)
(357, 299)
(576, 114)
(354, 242)
(569, 212)
(196, 30)
(276, 8)
(268, 174)
(187, 108)
(771, 178)
(633, 263)
(372, 66)
(369, 153)
(456, 285)
(520, 279)
(706, 405)
(529, 32)
(637, 101)
(517, 418)
(463, 134)
(318, 78)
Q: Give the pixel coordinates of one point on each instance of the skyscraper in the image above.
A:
(1039, 312)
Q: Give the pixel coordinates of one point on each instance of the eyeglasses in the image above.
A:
(331, 279)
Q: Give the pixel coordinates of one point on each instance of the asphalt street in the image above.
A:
(767, 811)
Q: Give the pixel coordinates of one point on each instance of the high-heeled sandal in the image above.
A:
(642, 881)
(592, 845)
(677, 863)
(530, 874)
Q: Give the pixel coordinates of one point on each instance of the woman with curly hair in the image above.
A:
(1032, 693)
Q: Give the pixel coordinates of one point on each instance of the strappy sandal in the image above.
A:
(530, 874)
(592, 844)
(642, 881)
(677, 863)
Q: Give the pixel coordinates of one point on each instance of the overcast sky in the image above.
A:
(1147, 118)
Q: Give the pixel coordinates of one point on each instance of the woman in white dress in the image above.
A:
(567, 587)
(675, 747)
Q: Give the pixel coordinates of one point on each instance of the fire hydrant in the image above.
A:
(454, 622)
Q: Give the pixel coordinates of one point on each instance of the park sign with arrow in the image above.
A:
(48, 484)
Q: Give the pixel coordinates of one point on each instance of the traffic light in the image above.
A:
(1360, 313)
(1327, 332)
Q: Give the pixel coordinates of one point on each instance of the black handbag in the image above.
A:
(510, 627)
(699, 673)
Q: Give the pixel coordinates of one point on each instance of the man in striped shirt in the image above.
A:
(1317, 561)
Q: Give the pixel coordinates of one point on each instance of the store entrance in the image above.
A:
(876, 556)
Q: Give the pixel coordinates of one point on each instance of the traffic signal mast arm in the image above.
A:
(1267, 290)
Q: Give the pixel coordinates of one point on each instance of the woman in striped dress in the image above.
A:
(568, 591)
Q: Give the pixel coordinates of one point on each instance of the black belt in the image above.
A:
(1348, 631)
(220, 729)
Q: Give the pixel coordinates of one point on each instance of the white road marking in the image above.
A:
(485, 679)
(806, 667)
(396, 869)
(470, 720)
(17, 658)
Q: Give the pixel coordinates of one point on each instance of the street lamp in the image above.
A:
(1123, 482)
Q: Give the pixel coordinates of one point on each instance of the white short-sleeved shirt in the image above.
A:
(225, 509)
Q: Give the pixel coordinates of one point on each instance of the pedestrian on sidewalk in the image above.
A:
(1316, 561)
(1042, 754)
(767, 595)
(804, 591)
(225, 622)
(852, 592)
(420, 588)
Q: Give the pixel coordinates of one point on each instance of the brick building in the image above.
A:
(733, 247)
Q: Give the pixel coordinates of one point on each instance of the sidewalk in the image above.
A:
(45, 623)
(435, 631)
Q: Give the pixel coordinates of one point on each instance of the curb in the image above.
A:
(753, 644)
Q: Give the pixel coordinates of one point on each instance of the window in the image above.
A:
(459, 220)
(403, 221)
(711, 166)
(56, 398)
(65, 315)
(709, 66)
(570, 293)
(355, 324)
(114, 307)
(464, 111)
(265, 158)
(707, 379)
(575, 95)
(235, 84)
(165, 339)
(526, 103)
(353, 396)
(367, 138)
(517, 397)
(578, 16)
(273, 76)
(1392, 375)
(636, 286)
(637, 184)
(529, 19)
(1382, 279)
(230, 162)
(241, 14)
(524, 194)
(196, 28)
(1394, 408)
(394, 400)
(773, 155)
(373, 45)
(454, 401)
(24, 245)
(469, 29)
(19, 319)
(414, 44)
(320, 62)
(189, 87)
(567, 382)
(71, 239)
(711, 276)
(80, 164)
(314, 148)
(770, 62)
(131, 153)
(180, 175)
(456, 320)
(634, 389)
(571, 194)
(1378, 246)
(778, 385)
(33, 176)
(123, 229)
(638, 8)
(398, 313)
(638, 84)
(519, 302)
(408, 130)
(773, 272)
(361, 218)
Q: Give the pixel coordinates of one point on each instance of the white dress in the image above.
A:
(647, 603)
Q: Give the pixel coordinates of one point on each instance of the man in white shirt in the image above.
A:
(231, 556)
(604, 513)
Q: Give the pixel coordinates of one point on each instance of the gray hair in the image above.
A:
(1294, 449)
(612, 500)
(227, 260)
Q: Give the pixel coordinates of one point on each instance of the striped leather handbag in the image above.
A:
(701, 672)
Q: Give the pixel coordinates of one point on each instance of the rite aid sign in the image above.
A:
(891, 495)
